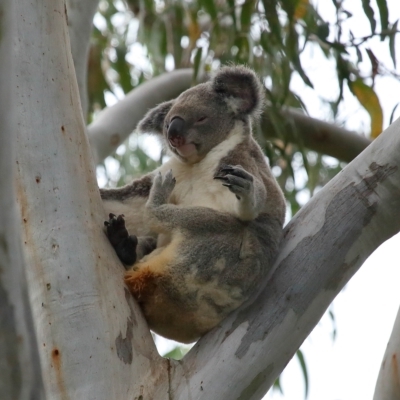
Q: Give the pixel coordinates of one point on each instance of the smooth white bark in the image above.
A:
(323, 246)
(388, 383)
(80, 17)
(93, 341)
(20, 376)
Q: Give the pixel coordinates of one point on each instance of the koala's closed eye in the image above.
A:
(201, 119)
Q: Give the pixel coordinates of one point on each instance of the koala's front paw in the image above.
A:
(236, 179)
(123, 243)
(162, 188)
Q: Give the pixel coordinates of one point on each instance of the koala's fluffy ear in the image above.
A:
(153, 121)
(241, 89)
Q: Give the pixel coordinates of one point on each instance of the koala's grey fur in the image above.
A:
(214, 207)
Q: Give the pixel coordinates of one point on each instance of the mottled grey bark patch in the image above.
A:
(256, 383)
(319, 259)
(124, 346)
(1, 23)
(10, 368)
(3, 244)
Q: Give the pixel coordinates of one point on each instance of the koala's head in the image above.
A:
(205, 115)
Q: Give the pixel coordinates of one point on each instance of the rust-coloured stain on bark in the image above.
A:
(395, 373)
(115, 139)
(56, 364)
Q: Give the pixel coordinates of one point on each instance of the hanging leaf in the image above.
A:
(303, 366)
(245, 16)
(231, 4)
(277, 385)
(210, 8)
(273, 20)
(194, 29)
(370, 101)
(384, 15)
(196, 63)
(123, 69)
(392, 46)
(301, 9)
(369, 12)
(323, 31)
(293, 53)
(243, 55)
(392, 114)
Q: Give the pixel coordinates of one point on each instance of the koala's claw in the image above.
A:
(236, 179)
(123, 243)
(116, 230)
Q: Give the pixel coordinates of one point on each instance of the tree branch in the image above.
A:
(316, 135)
(20, 375)
(388, 383)
(80, 22)
(324, 245)
(114, 124)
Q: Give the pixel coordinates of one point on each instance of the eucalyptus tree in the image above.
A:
(91, 337)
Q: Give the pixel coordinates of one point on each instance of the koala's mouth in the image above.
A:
(184, 149)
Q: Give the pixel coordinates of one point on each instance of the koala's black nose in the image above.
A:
(176, 127)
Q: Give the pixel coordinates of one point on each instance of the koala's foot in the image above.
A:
(236, 179)
(161, 189)
(123, 243)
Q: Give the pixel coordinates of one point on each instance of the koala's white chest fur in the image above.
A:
(195, 184)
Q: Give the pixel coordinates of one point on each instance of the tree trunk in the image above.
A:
(85, 319)
(388, 383)
(20, 376)
(80, 17)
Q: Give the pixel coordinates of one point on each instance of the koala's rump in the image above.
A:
(184, 293)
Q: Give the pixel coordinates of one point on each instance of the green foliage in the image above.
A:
(138, 39)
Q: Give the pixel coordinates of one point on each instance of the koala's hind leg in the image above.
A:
(129, 248)
(142, 279)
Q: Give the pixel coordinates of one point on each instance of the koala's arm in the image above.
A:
(130, 201)
(248, 189)
(246, 174)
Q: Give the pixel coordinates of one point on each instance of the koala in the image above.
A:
(206, 224)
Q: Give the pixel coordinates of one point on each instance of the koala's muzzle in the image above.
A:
(176, 132)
